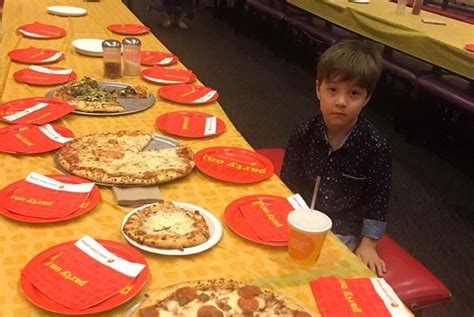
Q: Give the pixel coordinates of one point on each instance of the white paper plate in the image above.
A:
(215, 230)
(91, 47)
(66, 11)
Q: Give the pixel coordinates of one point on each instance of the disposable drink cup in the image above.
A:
(308, 230)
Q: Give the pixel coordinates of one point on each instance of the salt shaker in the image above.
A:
(112, 59)
(417, 4)
(401, 5)
(131, 56)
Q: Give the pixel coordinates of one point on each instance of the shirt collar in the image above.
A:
(351, 139)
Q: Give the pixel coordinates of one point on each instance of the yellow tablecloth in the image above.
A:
(441, 45)
(233, 257)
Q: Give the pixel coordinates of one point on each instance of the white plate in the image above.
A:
(66, 11)
(215, 230)
(92, 47)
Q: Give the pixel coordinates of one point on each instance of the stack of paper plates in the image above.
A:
(66, 11)
(91, 47)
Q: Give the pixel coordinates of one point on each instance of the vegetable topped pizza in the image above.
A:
(219, 298)
(88, 95)
(120, 158)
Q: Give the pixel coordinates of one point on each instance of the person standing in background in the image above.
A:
(175, 11)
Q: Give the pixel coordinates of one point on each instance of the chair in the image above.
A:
(416, 286)
(315, 29)
(278, 11)
(454, 89)
(403, 65)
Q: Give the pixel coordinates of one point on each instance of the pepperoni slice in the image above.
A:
(249, 291)
(149, 311)
(299, 313)
(248, 304)
(185, 295)
(209, 311)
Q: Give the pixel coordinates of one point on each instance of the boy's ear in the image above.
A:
(367, 100)
(318, 85)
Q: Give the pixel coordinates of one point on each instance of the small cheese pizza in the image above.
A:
(88, 96)
(120, 158)
(163, 225)
(219, 298)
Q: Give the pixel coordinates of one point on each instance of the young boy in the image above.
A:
(349, 154)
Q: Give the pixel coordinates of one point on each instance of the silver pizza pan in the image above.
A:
(131, 104)
(158, 142)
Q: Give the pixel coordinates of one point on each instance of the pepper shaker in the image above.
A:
(112, 59)
(131, 56)
(417, 4)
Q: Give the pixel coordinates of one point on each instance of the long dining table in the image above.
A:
(440, 45)
(233, 257)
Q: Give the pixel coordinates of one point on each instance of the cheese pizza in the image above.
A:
(219, 298)
(163, 225)
(88, 95)
(120, 158)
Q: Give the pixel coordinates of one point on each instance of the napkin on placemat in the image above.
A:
(362, 297)
(132, 196)
(83, 275)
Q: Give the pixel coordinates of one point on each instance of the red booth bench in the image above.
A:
(416, 286)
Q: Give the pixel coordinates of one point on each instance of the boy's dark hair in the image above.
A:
(351, 60)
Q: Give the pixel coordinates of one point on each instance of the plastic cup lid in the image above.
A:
(309, 220)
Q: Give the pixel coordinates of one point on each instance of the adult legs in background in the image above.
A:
(174, 11)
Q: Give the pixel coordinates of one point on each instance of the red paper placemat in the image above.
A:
(188, 94)
(83, 275)
(151, 58)
(233, 165)
(85, 207)
(30, 139)
(39, 30)
(191, 124)
(236, 221)
(43, 197)
(128, 28)
(469, 47)
(35, 55)
(362, 297)
(44, 76)
(35, 110)
(168, 76)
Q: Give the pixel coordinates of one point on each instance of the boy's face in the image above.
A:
(340, 102)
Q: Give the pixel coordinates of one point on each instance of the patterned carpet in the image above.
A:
(432, 205)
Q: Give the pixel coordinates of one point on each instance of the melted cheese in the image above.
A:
(171, 223)
(123, 155)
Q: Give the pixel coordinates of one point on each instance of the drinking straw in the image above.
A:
(316, 190)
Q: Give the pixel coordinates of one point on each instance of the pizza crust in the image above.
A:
(163, 225)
